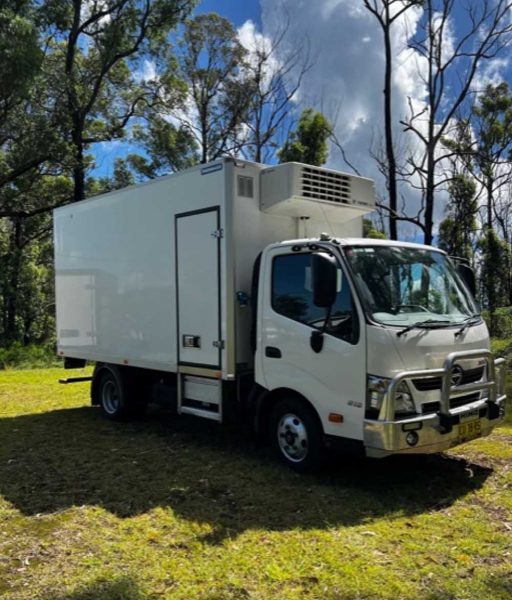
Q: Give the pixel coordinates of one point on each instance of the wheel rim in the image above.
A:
(292, 437)
(110, 397)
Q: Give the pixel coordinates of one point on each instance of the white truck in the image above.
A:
(216, 290)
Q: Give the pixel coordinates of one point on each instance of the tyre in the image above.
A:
(115, 391)
(297, 436)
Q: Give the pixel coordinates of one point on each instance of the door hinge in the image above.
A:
(219, 344)
(218, 233)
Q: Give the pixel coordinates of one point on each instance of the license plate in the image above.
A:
(469, 430)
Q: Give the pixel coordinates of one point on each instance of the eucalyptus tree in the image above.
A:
(95, 47)
(212, 62)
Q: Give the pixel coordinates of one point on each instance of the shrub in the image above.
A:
(28, 357)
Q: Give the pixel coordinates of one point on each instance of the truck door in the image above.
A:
(198, 289)
(333, 380)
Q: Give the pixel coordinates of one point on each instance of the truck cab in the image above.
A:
(395, 360)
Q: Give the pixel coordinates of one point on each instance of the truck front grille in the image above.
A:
(433, 407)
(434, 383)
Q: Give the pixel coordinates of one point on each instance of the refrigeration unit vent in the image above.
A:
(298, 190)
(325, 185)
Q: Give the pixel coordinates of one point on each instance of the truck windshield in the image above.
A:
(402, 286)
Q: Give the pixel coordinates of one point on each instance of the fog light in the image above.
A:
(412, 438)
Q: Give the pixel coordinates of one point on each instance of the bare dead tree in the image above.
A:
(275, 71)
(387, 12)
(484, 31)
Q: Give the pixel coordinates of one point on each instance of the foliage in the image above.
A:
(168, 148)
(370, 231)
(18, 356)
(211, 62)
(175, 509)
(503, 317)
(457, 229)
(308, 143)
(91, 52)
(495, 274)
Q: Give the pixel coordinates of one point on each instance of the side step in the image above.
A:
(201, 397)
(67, 380)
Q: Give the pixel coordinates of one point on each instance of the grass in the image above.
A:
(180, 509)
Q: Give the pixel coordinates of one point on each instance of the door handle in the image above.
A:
(272, 352)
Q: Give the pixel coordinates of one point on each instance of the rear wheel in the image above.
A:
(297, 435)
(116, 391)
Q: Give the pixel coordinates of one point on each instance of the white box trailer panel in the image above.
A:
(116, 272)
(148, 275)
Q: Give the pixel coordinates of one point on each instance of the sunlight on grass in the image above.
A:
(173, 508)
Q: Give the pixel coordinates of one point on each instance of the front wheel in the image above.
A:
(297, 435)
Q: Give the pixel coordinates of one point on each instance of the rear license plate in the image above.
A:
(469, 430)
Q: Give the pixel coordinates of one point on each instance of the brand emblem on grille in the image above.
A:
(456, 375)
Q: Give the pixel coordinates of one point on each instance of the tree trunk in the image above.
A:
(388, 128)
(429, 199)
(12, 283)
(79, 173)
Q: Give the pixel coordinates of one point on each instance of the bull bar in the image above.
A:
(386, 435)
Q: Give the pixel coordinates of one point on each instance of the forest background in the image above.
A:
(175, 86)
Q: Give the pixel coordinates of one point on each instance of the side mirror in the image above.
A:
(468, 276)
(324, 279)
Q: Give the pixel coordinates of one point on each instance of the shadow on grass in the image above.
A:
(65, 458)
(120, 589)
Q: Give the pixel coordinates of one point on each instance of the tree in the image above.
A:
(387, 12)
(370, 231)
(167, 147)
(29, 121)
(495, 270)
(492, 124)
(211, 63)
(483, 31)
(457, 229)
(273, 73)
(26, 263)
(93, 45)
(308, 143)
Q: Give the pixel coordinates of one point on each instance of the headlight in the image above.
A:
(376, 390)
(404, 403)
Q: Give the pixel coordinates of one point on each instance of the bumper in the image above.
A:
(447, 428)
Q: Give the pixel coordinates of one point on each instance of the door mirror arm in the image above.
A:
(317, 335)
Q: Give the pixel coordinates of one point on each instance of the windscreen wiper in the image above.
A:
(471, 320)
(428, 324)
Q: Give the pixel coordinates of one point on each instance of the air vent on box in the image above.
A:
(245, 186)
(298, 190)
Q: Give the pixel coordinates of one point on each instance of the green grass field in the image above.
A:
(177, 508)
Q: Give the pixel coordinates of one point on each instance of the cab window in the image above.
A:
(292, 297)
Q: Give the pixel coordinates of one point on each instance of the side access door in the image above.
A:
(334, 379)
(198, 304)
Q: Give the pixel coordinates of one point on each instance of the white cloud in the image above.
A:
(147, 72)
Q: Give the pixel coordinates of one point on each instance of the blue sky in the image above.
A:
(238, 11)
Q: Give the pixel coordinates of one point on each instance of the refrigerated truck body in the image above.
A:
(235, 288)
